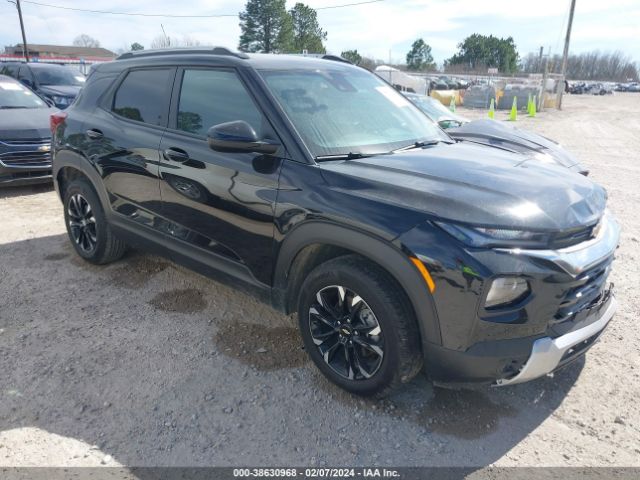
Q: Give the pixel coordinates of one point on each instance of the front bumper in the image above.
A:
(568, 307)
(547, 354)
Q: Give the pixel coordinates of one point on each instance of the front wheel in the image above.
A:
(87, 226)
(358, 326)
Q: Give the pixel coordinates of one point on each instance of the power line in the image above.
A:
(217, 15)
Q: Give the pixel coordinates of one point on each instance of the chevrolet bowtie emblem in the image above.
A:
(44, 148)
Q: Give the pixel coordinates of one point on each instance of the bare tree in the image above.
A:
(164, 41)
(84, 40)
(161, 41)
(595, 65)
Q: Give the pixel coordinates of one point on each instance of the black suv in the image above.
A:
(328, 193)
(58, 84)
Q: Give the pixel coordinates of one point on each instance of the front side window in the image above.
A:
(210, 97)
(142, 96)
(341, 110)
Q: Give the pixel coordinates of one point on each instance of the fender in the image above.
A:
(386, 254)
(66, 157)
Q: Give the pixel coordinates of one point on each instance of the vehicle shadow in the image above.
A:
(156, 366)
(11, 191)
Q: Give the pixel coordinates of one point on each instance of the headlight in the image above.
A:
(506, 290)
(58, 100)
(495, 237)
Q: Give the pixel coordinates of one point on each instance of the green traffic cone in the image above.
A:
(529, 104)
(452, 105)
(532, 111)
(513, 116)
(492, 110)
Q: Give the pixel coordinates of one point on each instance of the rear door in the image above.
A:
(222, 203)
(123, 136)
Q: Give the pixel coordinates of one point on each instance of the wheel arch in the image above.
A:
(313, 243)
(69, 166)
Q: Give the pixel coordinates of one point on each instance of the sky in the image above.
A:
(382, 30)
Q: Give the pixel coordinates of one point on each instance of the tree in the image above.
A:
(419, 57)
(353, 56)
(85, 40)
(307, 34)
(595, 65)
(161, 41)
(136, 46)
(478, 52)
(261, 26)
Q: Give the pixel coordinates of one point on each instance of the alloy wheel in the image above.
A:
(82, 223)
(346, 332)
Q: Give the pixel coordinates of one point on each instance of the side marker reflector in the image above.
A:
(425, 273)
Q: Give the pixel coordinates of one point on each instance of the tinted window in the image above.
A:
(210, 97)
(24, 73)
(56, 75)
(11, 70)
(142, 96)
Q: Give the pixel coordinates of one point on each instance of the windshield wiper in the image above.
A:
(419, 145)
(345, 156)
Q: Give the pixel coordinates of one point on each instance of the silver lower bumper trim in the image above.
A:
(547, 352)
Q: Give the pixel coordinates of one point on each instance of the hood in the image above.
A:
(25, 123)
(503, 135)
(473, 184)
(62, 90)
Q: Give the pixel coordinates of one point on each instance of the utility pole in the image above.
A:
(25, 50)
(565, 56)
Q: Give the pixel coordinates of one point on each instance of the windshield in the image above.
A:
(348, 110)
(55, 76)
(14, 95)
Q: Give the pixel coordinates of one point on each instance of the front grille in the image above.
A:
(584, 292)
(26, 142)
(26, 159)
(572, 237)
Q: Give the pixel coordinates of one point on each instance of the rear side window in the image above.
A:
(143, 96)
(210, 97)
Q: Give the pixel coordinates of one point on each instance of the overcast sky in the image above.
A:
(381, 30)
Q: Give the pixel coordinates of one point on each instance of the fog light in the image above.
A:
(505, 290)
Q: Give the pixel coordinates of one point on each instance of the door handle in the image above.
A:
(94, 134)
(176, 154)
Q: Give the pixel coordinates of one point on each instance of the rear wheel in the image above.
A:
(87, 226)
(358, 327)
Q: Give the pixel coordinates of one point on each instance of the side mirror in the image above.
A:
(238, 136)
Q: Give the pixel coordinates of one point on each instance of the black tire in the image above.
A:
(381, 302)
(87, 226)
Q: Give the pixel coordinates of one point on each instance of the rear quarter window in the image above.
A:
(143, 96)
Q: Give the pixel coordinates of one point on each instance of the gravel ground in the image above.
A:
(145, 363)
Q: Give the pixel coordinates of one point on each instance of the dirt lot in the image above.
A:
(144, 363)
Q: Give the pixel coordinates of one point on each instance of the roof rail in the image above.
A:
(189, 50)
(336, 58)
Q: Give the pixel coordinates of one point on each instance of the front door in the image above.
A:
(222, 203)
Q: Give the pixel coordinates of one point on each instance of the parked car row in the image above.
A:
(29, 94)
(319, 187)
(57, 84)
(25, 138)
(592, 88)
(627, 87)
